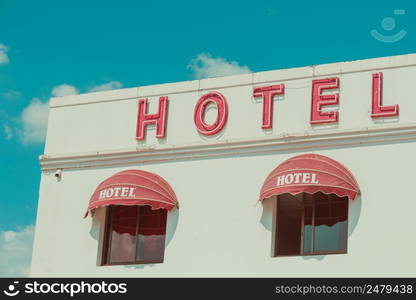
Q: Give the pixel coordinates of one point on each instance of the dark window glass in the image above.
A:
(289, 226)
(123, 233)
(307, 225)
(134, 234)
(330, 224)
(311, 224)
(151, 234)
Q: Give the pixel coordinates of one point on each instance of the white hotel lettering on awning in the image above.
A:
(117, 192)
(297, 178)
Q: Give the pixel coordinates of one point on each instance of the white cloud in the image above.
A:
(34, 121)
(8, 131)
(4, 58)
(64, 90)
(205, 66)
(16, 252)
(112, 85)
(10, 95)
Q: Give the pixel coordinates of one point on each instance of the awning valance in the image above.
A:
(134, 187)
(310, 173)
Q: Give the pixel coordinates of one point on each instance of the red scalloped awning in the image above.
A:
(310, 173)
(134, 187)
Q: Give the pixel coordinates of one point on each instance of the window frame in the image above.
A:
(275, 238)
(104, 248)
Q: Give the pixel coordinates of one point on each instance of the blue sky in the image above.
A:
(65, 47)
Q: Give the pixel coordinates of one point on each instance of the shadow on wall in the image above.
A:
(354, 211)
(98, 220)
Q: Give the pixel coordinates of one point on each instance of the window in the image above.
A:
(310, 224)
(133, 235)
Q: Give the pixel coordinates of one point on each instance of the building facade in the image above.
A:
(297, 172)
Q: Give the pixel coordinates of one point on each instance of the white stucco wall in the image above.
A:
(219, 230)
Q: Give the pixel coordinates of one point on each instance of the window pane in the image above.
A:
(331, 226)
(151, 234)
(289, 225)
(123, 233)
(307, 225)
